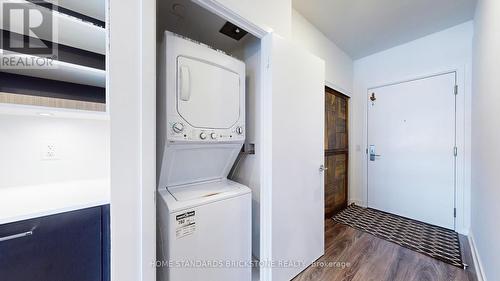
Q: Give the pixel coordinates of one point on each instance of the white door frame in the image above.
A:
(131, 104)
(352, 143)
(462, 167)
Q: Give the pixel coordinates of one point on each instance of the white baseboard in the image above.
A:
(476, 258)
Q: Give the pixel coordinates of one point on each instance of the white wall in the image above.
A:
(438, 52)
(132, 94)
(339, 66)
(486, 137)
(275, 14)
(82, 147)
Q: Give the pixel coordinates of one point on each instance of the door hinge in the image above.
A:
(456, 90)
(454, 212)
(455, 151)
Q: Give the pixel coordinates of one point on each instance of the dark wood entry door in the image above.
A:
(336, 151)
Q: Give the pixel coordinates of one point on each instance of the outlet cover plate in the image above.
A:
(49, 151)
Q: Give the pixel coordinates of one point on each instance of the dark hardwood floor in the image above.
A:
(354, 255)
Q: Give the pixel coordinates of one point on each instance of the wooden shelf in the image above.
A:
(63, 71)
(92, 8)
(70, 31)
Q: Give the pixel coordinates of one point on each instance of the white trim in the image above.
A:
(478, 266)
(147, 141)
(266, 162)
(462, 135)
(462, 224)
(338, 88)
(132, 130)
(266, 127)
(415, 78)
(352, 146)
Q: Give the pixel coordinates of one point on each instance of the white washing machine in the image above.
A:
(204, 219)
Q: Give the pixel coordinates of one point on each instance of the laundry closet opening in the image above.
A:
(208, 142)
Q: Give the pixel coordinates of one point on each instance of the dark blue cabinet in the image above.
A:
(72, 246)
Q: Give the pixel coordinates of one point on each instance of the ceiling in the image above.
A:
(365, 27)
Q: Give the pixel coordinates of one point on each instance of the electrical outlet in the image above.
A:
(49, 151)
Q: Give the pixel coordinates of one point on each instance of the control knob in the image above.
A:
(239, 130)
(213, 136)
(178, 127)
(203, 135)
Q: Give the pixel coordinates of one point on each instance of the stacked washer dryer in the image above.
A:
(204, 219)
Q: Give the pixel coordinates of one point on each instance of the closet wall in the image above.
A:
(248, 170)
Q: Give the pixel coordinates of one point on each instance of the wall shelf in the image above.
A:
(43, 111)
(92, 8)
(62, 71)
(70, 31)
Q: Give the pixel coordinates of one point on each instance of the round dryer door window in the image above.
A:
(208, 95)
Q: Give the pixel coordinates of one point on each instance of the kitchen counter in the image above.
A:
(25, 202)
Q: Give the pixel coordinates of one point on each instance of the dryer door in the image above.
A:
(208, 95)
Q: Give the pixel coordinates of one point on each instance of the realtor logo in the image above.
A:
(28, 30)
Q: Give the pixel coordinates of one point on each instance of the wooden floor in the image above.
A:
(354, 255)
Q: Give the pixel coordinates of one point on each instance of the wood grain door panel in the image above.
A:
(336, 137)
(335, 184)
(336, 152)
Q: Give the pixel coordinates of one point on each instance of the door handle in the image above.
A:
(15, 236)
(322, 168)
(372, 153)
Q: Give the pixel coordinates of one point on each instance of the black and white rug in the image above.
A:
(434, 241)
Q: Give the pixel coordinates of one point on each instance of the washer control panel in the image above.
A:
(180, 130)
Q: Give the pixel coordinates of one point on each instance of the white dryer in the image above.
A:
(204, 219)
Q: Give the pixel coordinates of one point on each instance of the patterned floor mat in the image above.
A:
(437, 242)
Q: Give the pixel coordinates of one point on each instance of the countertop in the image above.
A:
(25, 202)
